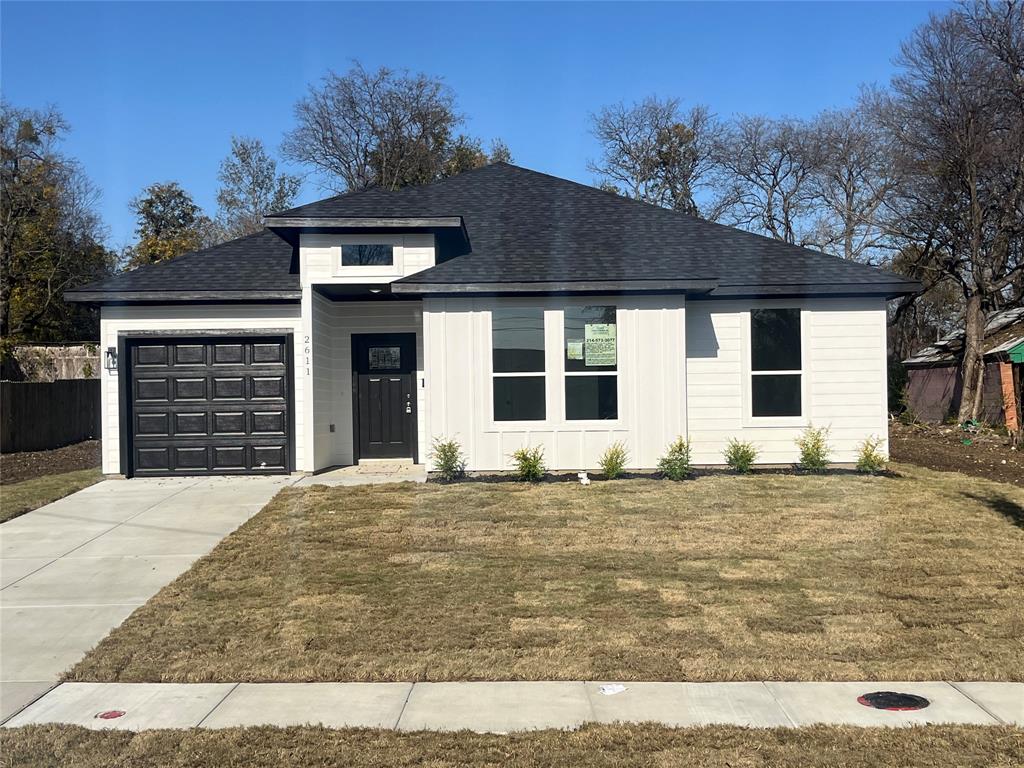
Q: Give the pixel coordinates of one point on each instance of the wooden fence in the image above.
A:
(38, 416)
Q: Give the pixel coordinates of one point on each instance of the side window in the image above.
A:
(776, 368)
(591, 364)
(517, 342)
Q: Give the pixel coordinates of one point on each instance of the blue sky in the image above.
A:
(154, 91)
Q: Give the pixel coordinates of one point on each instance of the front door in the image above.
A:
(384, 373)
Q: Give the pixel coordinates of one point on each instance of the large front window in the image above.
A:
(591, 364)
(517, 343)
(775, 363)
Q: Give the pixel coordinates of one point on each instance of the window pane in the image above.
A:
(385, 358)
(775, 340)
(590, 339)
(591, 397)
(519, 398)
(517, 334)
(367, 255)
(775, 395)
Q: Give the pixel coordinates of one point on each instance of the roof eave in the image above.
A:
(555, 286)
(364, 222)
(157, 297)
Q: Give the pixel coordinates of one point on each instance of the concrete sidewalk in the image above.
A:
(503, 707)
(73, 570)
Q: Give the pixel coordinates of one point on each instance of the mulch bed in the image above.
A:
(985, 454)
(16, 467)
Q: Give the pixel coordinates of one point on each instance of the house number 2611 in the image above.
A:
(307, 352)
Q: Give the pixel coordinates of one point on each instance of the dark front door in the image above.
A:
(384, 369)
(208, 405)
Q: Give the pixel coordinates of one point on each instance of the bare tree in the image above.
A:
(250, 188)
(850, 184)
(765, 172)
(385, 128)
(955, 115)
(652, 151)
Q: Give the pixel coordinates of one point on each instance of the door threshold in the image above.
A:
(377, 462)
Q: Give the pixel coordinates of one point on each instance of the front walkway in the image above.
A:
(370, 473)
(73, 570)
(512, 706)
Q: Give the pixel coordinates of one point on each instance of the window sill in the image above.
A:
(776, 422)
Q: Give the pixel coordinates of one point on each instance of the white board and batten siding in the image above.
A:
(844, 377)
(320, 257)
(328, 327)
(184, 319)
(651, 369)
(333, 323)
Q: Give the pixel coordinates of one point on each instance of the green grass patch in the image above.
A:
(18, 498)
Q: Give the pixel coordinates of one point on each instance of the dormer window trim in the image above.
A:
(395, 269)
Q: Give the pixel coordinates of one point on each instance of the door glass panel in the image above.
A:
(385, 358)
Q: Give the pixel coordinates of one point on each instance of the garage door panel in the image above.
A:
(227, 457)
(228, 354)
(189, 354)
(269, 387)
(151, 354)
(188, 424)
(209, 406)
(152, 390)
(268, 353)
(153, 424)
(190, 457)
(189, 389)
(269, 456)
(156, 459)
(232, 423)
(268, 422)
(225, 388)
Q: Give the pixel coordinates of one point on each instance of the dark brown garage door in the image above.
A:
(209, 405)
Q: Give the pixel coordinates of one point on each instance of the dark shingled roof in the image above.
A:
(529, 227)
(525, 229)
(257, 266)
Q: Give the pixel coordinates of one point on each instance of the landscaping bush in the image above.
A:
(740, 456)
(613, 460)
(448, 461)
(814, 449)
(675, 464)
(871, 460)
(530, 463)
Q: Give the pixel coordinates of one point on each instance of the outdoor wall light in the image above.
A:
(110, 359)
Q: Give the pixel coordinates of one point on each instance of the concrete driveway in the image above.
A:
(73, 570)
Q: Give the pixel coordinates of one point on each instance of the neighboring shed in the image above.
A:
(933, 374)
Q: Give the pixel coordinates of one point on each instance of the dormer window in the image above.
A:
(367, 255)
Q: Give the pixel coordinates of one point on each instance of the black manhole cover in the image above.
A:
(893, 701)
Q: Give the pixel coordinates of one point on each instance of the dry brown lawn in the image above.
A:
(770, 576)
(632, 746)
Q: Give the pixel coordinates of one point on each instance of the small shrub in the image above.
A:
(448, 461)
(613, 460)
(740, 456)
(675, 464)
(814, 449)
(908, 418)
(530, 463)
(871, 460)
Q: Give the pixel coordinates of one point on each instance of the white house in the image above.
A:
(503, 308)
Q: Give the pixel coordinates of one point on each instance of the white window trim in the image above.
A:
(747, 372)
(394, 269)
(563, 374)
(494, 425)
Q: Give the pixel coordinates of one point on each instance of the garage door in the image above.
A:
(209, 406)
